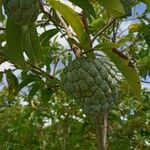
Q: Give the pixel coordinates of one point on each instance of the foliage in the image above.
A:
(40, 50)
(26, 127)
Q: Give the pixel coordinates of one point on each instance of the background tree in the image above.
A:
(38, 59)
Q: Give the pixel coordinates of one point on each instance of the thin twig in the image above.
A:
(103, 29)
(56, 62)
(48, 16)
(148, 82)
(38, 70)
(75, 49)
(1, 28)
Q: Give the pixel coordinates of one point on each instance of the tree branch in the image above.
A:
(103, 29)
(148, 82)
(3, 29)
(38, 70)
(101, 130)
(75, 49)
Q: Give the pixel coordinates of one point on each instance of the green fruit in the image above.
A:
(21, 11)
(93, 83)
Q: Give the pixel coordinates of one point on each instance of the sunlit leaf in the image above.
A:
(85, 5)
(114, 7)
(74, 21)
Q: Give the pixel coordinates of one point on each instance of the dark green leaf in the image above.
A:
(12, 82)
(1, 76)
(35, 87)
(14, 43)
(36, 47)
(27, 45)
(146, 33)
(127, 6)
(46, 36)
(2, 37)
(1, 11)
(29, 79)
(45, 95)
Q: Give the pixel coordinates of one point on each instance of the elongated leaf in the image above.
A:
(29, 79)
(27, 45)
(146, 33)
(124, 65)
(14, 45)
(12, 82)
(33, 91)
(1, 76)
(1, 12)
(36, 47)
(46, 36)
(127, 6)
(74, 21)
(114, 7)
(2, 37)
(45, 95)
(85, 5)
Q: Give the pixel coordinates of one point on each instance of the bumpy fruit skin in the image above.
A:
(21, 11)
(93, 83)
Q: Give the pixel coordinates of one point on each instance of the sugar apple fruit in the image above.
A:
(93, 83)
(21, 11)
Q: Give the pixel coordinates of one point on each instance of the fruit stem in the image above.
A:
(101, 122)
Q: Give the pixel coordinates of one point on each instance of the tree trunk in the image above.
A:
(101, 121)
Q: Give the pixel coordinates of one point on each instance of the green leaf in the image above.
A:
(46, 36)
(1, 76)
(85, 5)
(27, 45)
(114, 7)
(2, 37)
(146, 1)
(33, 91)
(146, 33)
(45, 95)
(127, 6)
(14, 43)
(36, 47)
(1, 12)
(123, 64)
(12, 82)
(29, 79)
(74, 21)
